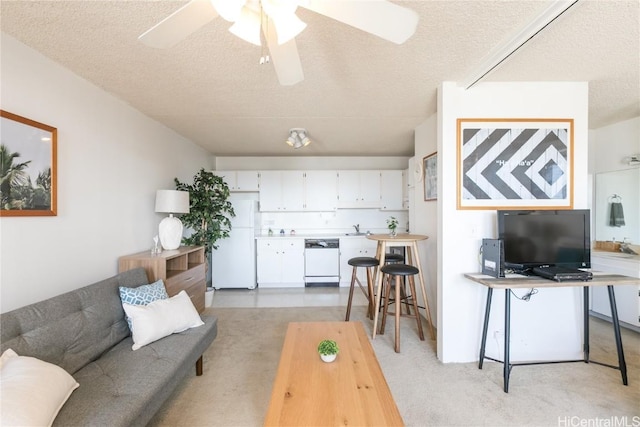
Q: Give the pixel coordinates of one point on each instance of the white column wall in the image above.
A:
(111, 160)
(547, 327)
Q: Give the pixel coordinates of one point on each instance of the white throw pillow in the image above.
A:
(161, 318)
(33, 391)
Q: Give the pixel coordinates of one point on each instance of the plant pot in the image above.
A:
(392, 233)
(208, 297)
(328, 357)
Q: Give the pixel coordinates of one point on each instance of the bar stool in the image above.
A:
(393, 274)
(369, 264)
(390, 258)
(395, 258)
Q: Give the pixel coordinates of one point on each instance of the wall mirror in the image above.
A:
(621, 186)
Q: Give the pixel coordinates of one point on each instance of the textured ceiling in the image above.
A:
(361, 95)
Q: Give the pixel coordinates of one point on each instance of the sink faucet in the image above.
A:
(357, 227)
(624, 247)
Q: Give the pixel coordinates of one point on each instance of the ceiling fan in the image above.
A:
(276, 20)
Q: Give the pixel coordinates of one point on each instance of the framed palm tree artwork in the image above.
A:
(28, 155)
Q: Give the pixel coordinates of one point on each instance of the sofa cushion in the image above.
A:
(126, 387)
(142, 295)
(32, 391)
(161, 318)
(72, 329)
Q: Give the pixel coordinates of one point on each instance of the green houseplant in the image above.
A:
(210, 211)
(328, 350)
(392, 224)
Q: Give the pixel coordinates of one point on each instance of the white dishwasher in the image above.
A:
(322, 262)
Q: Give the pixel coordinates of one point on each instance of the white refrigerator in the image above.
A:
(233, 264)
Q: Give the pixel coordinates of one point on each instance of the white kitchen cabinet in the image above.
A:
(406, 185)
(280, 262)
(359, 189)
(627, 296)
(352, 247)
(281, 191)
(391, 190)
(320, 191)
(240, 180)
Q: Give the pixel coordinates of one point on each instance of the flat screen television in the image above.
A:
(533, 238)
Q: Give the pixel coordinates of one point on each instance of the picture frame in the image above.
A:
(29, 152)
(430, 170)
(515, 163)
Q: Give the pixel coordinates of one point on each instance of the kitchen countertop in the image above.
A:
(311, 236)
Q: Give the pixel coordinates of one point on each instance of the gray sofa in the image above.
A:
(85, 332)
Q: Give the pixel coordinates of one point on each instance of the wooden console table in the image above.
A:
(351, 391)
(180, 269)
(519, 282)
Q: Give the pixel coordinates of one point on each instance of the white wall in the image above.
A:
(111, 160)
(610, 145)
(424, 215)
(547, 327)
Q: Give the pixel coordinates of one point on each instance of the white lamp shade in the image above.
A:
(172, 201)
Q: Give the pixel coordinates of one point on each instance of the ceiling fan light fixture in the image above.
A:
(288, 27)
(247, 26)
(275, 8)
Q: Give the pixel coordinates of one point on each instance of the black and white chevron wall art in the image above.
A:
(514, 163)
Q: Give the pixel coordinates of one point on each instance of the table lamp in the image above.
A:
(170, 229)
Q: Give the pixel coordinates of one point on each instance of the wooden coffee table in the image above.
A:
(349, 391)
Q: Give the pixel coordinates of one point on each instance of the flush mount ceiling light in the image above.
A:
(298, 138)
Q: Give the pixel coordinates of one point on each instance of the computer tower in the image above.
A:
(493, 257)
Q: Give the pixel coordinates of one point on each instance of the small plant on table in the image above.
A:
(328, 350)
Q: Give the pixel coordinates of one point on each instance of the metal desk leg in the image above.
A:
(585, 335)
(507, 332)
(483, 343)
(616, 329)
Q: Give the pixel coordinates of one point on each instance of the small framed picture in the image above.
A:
(430, 168)
(29, 153)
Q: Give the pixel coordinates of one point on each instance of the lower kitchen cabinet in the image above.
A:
(627, 296)
(280, 262)
(351, 247)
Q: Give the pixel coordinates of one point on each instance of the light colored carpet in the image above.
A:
(241, 364)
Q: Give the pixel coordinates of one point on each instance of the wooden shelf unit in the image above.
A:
(180, 269)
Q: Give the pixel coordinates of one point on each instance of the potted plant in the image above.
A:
(392, 224)
(209, 212)
(328, 350)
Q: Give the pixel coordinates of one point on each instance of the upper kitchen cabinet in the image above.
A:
(240, 180)
(359, 189)
(321, 191)
(281, 191)
(297, 191)
(392, 190)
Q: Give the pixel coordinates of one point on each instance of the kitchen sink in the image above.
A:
(354, 234)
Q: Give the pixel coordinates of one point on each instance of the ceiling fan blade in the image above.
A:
(177, 26)
(285, 58)
(378, 17)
